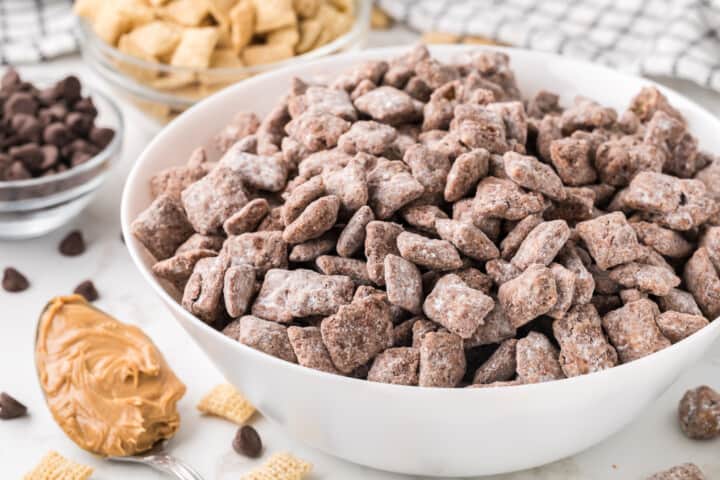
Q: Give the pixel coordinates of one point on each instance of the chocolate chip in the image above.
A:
(87, 289)
(101, 136)
(78, 158)
(73, 244)
(68, 88)
(78, 123)
(57, 134)
(54, 113)
(11, 408)
(247, 442)
(26, 126)
(20, 102)
(30, 154)
(14, 281)
(10, 78)
(85, 105)
(17, 171)
(51, 156)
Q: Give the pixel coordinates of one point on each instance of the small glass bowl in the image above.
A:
(164, 91)
(33, 207)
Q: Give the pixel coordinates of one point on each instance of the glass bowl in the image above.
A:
(164, 91)
(33, 207)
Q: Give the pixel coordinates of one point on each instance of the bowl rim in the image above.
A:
(110, 150)
(137, 251)
(361, 22)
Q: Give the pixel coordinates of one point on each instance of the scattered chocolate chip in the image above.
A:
(247, 442)
(73, 244)
(11, 408)
(14, 281)
(87, 289)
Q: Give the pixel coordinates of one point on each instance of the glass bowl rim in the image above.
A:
(92, 40)
(111, 149)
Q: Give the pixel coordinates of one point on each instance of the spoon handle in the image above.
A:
(167, 463)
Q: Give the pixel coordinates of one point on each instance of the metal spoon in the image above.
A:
(157, 457)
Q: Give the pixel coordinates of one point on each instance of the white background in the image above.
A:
(651, 443)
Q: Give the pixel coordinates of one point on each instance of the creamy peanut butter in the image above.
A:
(107, 385)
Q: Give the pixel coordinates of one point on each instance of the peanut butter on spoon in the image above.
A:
(105, 382)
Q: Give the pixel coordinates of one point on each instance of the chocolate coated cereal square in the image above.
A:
(398, 366)
(456, 306)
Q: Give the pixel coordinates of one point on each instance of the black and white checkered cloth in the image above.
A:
(35, 30)
(676, 38)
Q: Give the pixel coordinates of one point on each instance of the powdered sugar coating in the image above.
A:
(398, 366)
(633, 331)
(456, 306)
(537, 359)
(583, 346)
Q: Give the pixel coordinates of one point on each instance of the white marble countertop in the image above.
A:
(651, 443)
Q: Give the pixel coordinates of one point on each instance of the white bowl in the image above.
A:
(424, 431)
